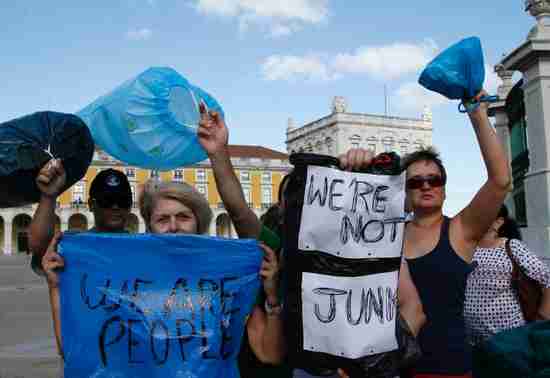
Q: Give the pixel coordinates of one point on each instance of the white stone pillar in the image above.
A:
(64, 226)
(532, 58)
(7, 236)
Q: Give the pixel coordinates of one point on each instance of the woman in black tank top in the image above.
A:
(438, 249)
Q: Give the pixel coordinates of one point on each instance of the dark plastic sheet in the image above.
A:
(23, 145)
(298, 261)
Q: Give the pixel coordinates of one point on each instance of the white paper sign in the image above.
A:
(352, 215)
(349, 317)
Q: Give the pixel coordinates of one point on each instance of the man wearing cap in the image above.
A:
(110, 201)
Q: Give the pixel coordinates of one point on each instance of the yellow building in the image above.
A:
(259, 169)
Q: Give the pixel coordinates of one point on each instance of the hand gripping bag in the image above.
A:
(29, 142)
(151, 120)
(301, 263)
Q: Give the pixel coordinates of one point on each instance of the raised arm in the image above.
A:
(51, 262)
(265, 326)
(50, 180)
(477, 217)
(213, 136)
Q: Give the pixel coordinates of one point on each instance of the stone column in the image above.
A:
(532, 58)
(7, 236)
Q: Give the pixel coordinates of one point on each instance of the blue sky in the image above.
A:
(264, 60)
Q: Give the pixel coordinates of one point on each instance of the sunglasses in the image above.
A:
(107, 202)
(417, 182)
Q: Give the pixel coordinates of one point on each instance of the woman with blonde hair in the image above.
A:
(174, 207)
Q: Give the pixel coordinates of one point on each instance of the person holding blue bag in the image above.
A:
(439, 249)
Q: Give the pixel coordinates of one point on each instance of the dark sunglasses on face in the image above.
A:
(107, 202)
(417, 182)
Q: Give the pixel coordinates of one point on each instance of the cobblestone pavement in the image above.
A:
(27, 343)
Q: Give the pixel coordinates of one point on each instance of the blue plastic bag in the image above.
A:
(29, 142)
(458, 72)
(150, 121)
(147, 306)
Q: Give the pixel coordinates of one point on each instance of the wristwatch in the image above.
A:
(273, 309)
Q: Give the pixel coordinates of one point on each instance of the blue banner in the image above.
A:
(155, 305)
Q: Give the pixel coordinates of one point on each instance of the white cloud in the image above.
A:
(412, 96)
(387, 62)
(142, 34)
(380, 62)
(281, 17)
(291, 68)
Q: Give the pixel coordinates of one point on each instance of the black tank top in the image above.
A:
(440, 278)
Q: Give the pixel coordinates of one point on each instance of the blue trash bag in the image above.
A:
(458, 72)
(29, 142)
(151, 120)
(151, 306)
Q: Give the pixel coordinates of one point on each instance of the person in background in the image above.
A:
(110, 201)
(249, 364)
(492, 303)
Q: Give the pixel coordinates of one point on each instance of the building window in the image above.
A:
(404, 147)
(130, 173)
(266, 197)
(266, 178)
(78, 193)
(247, 194)
(202, 189)
(244, 176)
(515, 110)
(200, 175)
(318, 147)
(388, 144)
(355, 141)
(178, 175)
(372, 147)
(155, 174)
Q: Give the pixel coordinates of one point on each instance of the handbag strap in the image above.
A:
(515, 266)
